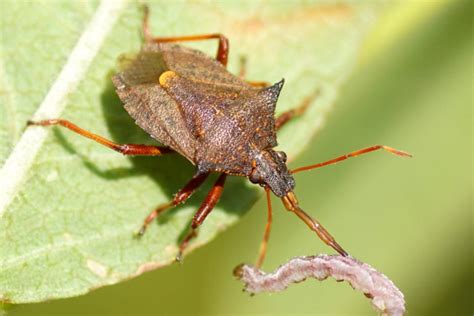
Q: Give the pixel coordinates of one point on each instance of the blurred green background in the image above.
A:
(409, 218)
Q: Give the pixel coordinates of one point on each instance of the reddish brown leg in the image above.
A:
(283, 118)
(266, 234)
(243, 67)
(206, 207)
(291, 204)
(353, 154)
(258, 84)
(179, 198)
(222, 50)
(126, 149)
(243, 71)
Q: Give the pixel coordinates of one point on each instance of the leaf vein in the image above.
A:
(21, 159)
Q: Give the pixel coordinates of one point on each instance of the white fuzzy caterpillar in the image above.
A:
(386, 298)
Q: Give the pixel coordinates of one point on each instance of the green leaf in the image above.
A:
(68, 206)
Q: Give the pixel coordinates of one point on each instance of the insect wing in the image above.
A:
(151, 107)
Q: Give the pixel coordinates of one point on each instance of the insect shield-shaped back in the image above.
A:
(216, 120)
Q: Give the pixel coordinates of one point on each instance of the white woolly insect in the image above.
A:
(385, 297)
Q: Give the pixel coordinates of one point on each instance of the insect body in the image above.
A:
(221, 123)
(197, 108)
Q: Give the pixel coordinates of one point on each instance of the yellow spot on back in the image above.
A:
(166, 77)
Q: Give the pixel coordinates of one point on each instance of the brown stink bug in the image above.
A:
(220, 122)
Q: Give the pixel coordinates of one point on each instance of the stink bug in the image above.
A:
(220, 122)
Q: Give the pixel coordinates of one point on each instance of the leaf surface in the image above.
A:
(69, 207)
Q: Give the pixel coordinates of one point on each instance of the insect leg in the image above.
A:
(243, 67)
(291, 204)
(266, 234)
(222, 50)
(258, 84)
(206, 207)
(126, 149)
(283, 118)
(179, 198)
(353, 154)
(243, 71)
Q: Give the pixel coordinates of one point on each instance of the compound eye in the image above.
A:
(281, 155)
(254, 177)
